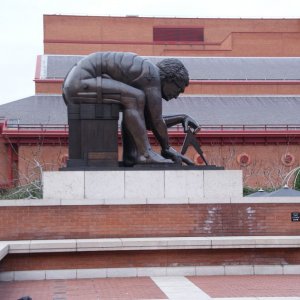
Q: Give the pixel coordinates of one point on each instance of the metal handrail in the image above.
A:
(228, 127)
(41, 127)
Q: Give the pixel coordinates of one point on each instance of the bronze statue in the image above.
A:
(138, 86)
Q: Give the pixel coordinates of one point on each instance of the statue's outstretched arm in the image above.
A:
(183, 119)
(159, 126)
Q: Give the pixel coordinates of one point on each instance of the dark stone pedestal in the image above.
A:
(93, 135)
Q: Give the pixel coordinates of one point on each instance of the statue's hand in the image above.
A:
(189, 122)
(176, 156)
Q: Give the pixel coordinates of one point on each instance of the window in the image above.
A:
(183, 34)
(13, 123)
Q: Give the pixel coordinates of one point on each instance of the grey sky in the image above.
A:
(21, 23)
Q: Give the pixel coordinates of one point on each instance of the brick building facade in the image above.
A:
(244, 91)
(172, 36)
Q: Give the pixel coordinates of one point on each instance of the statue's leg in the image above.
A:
(133, 103)
(129, 148)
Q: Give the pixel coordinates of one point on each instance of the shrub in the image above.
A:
(28, 191)
(297, 181)
(248, 190)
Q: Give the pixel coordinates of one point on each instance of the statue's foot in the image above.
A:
(129, 159)
(152, 157)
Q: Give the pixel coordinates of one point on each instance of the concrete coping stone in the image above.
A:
(168, 272)
(159, 243)
(4, 247)
(117, 244)
(154, 201)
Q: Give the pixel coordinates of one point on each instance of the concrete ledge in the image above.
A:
(160, 243)
(210, 270)
(145, 201)
(32, 275)
(4, 246)
(64, 185)
(150, 271)
(153, 186)
(37, 246)
(239, 270)
(266, 269)
(61, 274)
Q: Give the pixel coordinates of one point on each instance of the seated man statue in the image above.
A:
(138, 86)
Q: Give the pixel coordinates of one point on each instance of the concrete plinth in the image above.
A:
(144, 187)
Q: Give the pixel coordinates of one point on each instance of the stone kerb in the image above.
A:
(144, 187)
(252, 267)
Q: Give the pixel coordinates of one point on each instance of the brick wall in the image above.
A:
(265, 168)
(157, 258)
(33, 158)
(206, 88)
(4, 165)
(222, 37)
(57, 222)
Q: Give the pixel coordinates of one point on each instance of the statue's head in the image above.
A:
(174, 77)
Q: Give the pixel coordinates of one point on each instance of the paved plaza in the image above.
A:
(262, 287)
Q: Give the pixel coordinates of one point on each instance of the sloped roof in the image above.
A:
(207, 110)
(35, 110)
(285, 192)
(240, 68)
(237, 110)
(260, 193)
(282, 192)
(200, 68)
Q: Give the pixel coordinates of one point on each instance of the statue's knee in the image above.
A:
(134, 101)
(141, 100)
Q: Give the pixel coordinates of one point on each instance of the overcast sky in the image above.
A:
(21, 26)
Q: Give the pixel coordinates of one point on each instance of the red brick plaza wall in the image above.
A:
(116, 221)
(58, 222)
(153, 258)
(104, 221)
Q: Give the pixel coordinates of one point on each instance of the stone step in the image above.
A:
(155, 243)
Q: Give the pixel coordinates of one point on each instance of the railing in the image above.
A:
(65, 127)
(38, 127)
(243, 128)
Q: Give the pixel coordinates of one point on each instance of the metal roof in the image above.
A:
(207, 110)
(241, 68)
(39, 109)
(282, 192)
(237, 110)
(285, 192)
(200, 68)
(259, 193)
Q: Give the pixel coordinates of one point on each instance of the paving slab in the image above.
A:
(256, 286)
(179, 288)
(245, 287)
